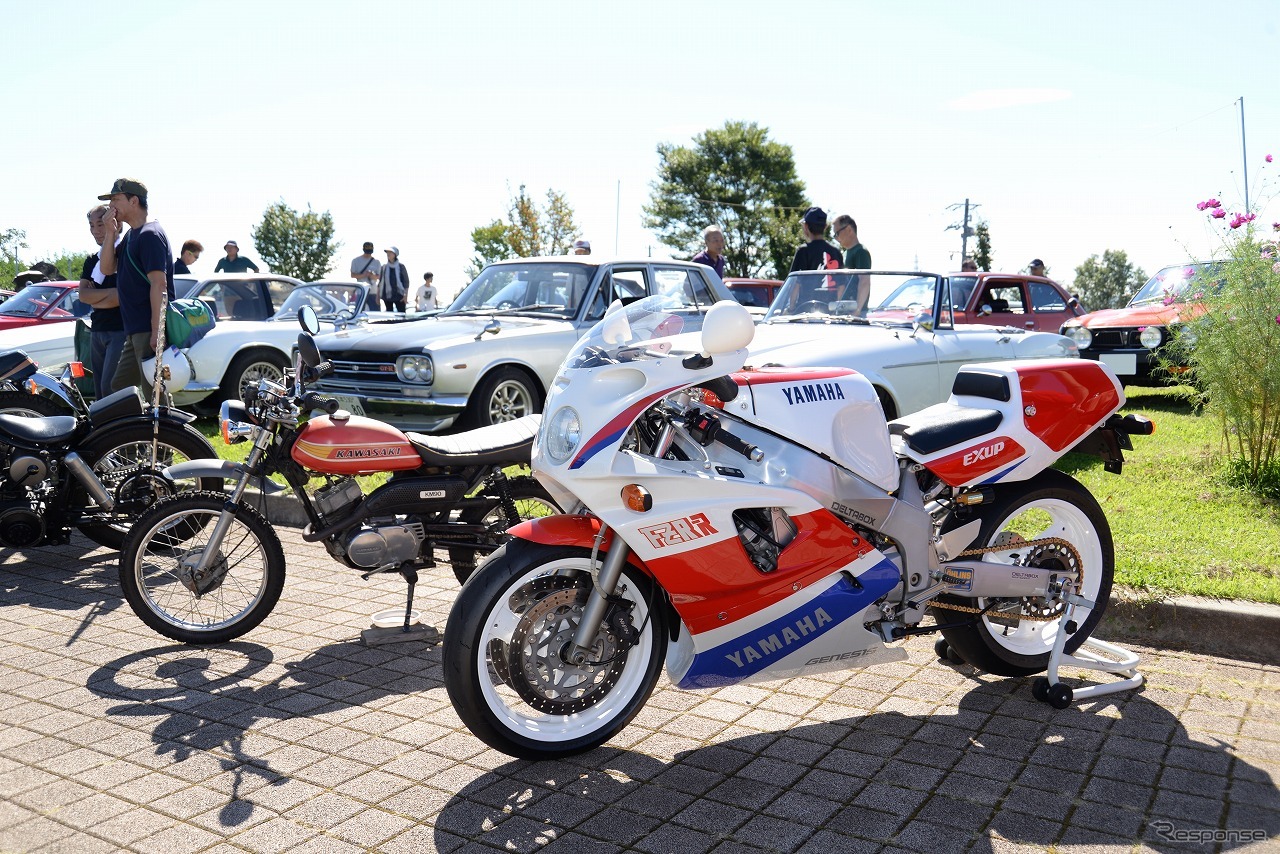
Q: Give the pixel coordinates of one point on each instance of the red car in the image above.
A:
(1033, 302)
(753, 293)
(46, 302)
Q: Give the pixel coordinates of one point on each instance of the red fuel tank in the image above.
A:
(356, 445)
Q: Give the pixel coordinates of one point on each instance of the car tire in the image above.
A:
(248, 368)
(504, 394)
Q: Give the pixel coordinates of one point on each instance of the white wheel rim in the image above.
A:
(523, 720)
(1069, 522)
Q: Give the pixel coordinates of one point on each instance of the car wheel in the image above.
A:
(247, 368)
(886, 403)
(504, 394)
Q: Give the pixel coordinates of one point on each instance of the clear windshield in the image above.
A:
(327, 300)
(853, 296)
(638, 330)
(32, 301)
(520, 287)
(1176, 283)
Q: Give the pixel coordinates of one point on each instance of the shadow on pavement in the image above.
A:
(63, 578)
(1002, 764)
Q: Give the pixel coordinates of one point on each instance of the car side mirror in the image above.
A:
(985, 310)
(493, 327)
(923, 320)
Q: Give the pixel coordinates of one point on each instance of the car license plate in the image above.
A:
(349, 403)
(1124, 364)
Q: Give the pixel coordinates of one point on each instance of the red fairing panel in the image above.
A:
(976, 461)
(1064, 400)
(762, 376)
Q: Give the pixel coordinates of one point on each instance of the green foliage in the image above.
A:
(739, 179)
(296, 244)
(1109, 282)
(70, 264)
(12, 240)
(527, 232)
(983, 256)
(1232, 349)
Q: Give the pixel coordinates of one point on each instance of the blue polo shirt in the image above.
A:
(144, 250)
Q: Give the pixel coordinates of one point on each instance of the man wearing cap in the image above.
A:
(394, 289)
(581, 247)
(1036, 267)
(365, 268)
(98, 290)
(234, 262)
(713, 254)
(817, 253)
(143, 266)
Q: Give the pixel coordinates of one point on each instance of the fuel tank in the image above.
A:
(353, 444)
(834, 411)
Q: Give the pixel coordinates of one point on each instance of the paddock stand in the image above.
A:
(1093, 654)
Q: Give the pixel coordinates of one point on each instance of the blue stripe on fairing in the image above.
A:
(995, 477)
(840, 601)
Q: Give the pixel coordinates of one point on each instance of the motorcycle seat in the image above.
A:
(52, 430)
(943, 425)
(507, 443)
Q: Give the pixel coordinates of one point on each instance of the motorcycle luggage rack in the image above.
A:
(1093, 655)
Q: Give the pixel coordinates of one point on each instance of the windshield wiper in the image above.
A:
(534, 307)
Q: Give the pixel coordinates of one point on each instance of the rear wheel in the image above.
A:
(30, 405)
(531, 501)
(1006, 641)
(504, 662)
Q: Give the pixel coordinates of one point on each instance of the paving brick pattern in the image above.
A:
(298, 738)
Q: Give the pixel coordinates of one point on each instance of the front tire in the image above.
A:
(503, 669)
(161, 550)
(1051, 504)
(532, 502)
(504, 394)
(247, 369)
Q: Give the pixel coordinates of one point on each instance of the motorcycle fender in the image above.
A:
(561, 530)
(53, 388)
(225, 469)
(983, 579)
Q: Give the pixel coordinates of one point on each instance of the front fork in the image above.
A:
(213, 547)
(584, 637)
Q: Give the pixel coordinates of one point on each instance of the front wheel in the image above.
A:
(531, 502)
(504, 394)
(1014, 638)
(504, 663)
(246, 370)
(162, 581)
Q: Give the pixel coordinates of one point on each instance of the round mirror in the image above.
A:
(727, 327)
(308, 319)
(307, 348)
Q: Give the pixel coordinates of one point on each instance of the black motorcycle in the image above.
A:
(68, 465)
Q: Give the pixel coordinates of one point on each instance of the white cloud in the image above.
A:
(997, 99)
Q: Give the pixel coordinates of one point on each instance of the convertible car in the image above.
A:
(907, 343)
(45, 302)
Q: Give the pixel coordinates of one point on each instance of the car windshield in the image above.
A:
(537, 288)
(638, 330)
(853, 296)
(328, 300)
(1179, 282)
(31, 301)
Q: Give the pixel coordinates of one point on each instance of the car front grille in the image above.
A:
(1114, 339)
(348, 374)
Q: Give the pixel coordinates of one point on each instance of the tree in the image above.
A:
(739, 179)
(70, 264)
(1108, 283)
(294, 244)
(983, 255)
(529, 231)
(11, 241)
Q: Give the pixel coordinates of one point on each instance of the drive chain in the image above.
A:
(1025, 544)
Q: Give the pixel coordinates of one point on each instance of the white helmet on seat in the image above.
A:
(179, 369)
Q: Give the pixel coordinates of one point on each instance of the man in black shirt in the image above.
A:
(99, 291)
(817, 253)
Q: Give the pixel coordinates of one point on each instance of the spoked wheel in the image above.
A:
(121, 458)
(166, 588)
(531, 501)
(504, 653)
(1015, 636)
(30, 405)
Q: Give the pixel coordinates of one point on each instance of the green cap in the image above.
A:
(128, 186)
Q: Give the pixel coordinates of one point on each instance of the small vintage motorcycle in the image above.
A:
(67, 465)
(206, 568)
(769, 523)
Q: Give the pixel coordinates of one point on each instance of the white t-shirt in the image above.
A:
(426, 298)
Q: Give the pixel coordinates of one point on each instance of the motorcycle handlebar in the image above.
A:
(705, 428)
(733, 443)
(328, 405)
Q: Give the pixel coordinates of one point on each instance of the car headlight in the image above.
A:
(415, 369)
(563, 433)
(1185, 335)
(1079, 334)
(1150, 337)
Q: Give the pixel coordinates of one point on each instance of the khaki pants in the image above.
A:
(137, 348)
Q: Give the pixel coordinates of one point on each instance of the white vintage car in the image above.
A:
(896, 329)
(237, 353)
(52, 345)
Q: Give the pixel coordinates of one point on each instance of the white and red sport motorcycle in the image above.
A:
(747, 525)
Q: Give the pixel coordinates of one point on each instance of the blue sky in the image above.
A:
(1076, 127)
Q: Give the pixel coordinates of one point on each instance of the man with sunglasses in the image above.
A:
(856, 256)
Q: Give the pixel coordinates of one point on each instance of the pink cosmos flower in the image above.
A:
(1201, 206)
(1218, 213)
(1268, 158)
(1213, 203)
(1275, 226)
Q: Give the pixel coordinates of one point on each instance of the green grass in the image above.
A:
(1179, 529)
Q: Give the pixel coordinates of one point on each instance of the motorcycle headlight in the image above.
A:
(1151, 337)
(563, 433)
(1079, 334)
(415, 369)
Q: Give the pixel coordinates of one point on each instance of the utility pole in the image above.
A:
(1244, 157)
(965, 231)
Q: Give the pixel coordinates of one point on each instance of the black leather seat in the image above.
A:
(944, 425)
(510, 442)
(46, 431)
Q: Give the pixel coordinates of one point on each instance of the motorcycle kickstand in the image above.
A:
(411, 630)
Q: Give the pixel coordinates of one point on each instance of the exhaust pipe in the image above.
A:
(85, 475)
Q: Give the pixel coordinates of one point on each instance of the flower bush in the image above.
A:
(1233, 350)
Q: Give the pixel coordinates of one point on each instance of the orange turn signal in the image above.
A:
(77, 369)
(32, 387)
(636, 497)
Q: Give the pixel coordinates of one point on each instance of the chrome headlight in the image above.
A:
(415, 369)
(1079, 334)
(1186, 335)
(563, 434)
(1150, 337)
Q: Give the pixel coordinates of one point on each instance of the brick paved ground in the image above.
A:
(298, 738)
